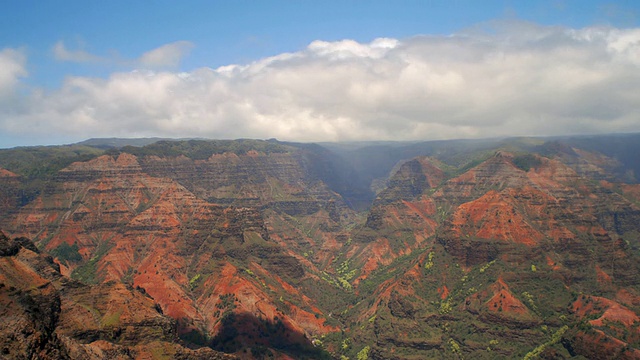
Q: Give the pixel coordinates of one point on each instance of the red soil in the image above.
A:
(443, 291)
(378, 253)
(552, 264)
(500, 301)
(631, 190)
(504, 299)
(613, 312)
(603, 277)
(431, 171)
(492, 216)
(4, 173)
(625, 296)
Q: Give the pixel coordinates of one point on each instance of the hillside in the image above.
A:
(479, 249)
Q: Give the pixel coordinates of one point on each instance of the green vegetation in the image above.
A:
(159, 353)
(67, 253)
(557, 336)
(486, 266)
(529, 299)
(335, 300)
(442, 313)
(43, 162)
(38, 165)
(112, 319)
(345, 275)
(429, 264)
(203, 149)
(467, 161)
(526, 162)
(492, 344)
(364, 353)
(227, 302)
(346, 343)
(454, 347)
(443, 213)
(383, 273)
(194, 280)
(445, 306)
(87, 273)
(339, 282)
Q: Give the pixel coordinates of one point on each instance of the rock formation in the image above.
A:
(251, 248)
(46, 315)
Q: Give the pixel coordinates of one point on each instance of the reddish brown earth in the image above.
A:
(631, 191)
(48, 316)
(549, 218)
(498, 304)
(608, 313)
(403, 218)
(4, 173)
(156, 235)
(9, 190)
(598, 345)
(494, 216)
(250, 252)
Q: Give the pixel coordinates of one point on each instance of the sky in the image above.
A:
(316, 70)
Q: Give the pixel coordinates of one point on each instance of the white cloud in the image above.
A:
(166, 56)
(61, 53)
(12, 68)
(516, 79)
(346, 49)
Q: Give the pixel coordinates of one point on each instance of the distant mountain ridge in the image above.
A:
(109, 143)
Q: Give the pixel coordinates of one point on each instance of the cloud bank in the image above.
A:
(508, 79)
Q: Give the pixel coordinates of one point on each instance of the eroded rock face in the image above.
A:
(9, 192)
(402, 218)
(299, 210)
(253, 179)
(498, 304)
(252, 250)
(549, 206)
(107, 220)
(30, 303)
(510, 242)
(48, 316)
(613, 326)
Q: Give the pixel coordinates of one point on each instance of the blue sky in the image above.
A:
(229, 32)
(78, 64)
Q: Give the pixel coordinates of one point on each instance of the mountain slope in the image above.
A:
(108, 220)
(48, 316)
(514, 248)
(480, 249)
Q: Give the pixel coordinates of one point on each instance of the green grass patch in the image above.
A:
(87, 273)
(526, 162)
(112, 319)
(67, 253)
(203, 149)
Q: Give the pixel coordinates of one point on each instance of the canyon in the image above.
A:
(507, 248)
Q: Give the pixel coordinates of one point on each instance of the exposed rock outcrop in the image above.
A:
(246, 247)
(48, 316)
(106, 220)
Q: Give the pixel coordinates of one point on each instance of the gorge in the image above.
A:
(194, 249)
